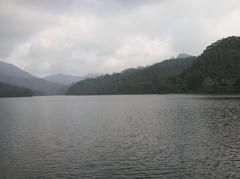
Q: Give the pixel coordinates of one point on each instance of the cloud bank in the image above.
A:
(81, 36)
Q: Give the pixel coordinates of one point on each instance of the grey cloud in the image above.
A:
(18, 24)
(81, 36)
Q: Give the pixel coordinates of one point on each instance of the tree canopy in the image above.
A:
(7, 90)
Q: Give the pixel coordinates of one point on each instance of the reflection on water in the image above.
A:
(148, 136)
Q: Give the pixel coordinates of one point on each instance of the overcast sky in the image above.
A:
(81, 36)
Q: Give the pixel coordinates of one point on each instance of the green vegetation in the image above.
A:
(7, 90)
(157, 78)
(216, 70)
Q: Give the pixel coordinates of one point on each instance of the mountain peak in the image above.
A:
(183, 55)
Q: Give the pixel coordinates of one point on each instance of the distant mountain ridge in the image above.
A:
(66, 79)
(11, 70)
(13, 75)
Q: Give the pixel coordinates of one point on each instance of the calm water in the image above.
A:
(148, 136)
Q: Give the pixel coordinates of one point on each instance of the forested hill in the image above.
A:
(7, 90)
(216, 70)
(147, 80)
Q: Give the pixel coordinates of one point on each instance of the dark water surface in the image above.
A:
(148, 136)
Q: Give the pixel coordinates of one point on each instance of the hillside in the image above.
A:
(216, 70)
(13, 75)
(147, 80)
(7, 90)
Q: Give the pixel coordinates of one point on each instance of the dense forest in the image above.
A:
(7, 90)
(156, 78)
(216, 70)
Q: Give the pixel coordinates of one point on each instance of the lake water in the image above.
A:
(137, 136)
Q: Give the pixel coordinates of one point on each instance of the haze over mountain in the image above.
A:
(66, 79)
(13, 75)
